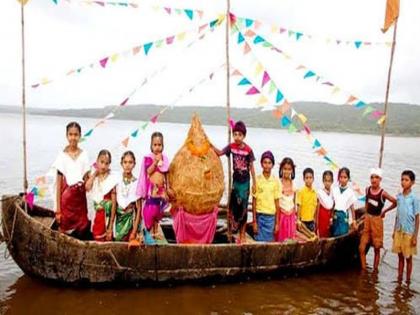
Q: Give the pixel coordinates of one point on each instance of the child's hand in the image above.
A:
(255, 227)
(108, 236)
(383, 214)
(58, 217)
(414, 241)
(353, 225)
(132, 236)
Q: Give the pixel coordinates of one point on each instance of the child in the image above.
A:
(243, 164)
(307, 200)
(128, 215)
(152, 184)
(373, 231)
(265, 202)
(406, 225)
(287, 213)
(101, 185)
(325, 206)
(72, 167)
(344, 199)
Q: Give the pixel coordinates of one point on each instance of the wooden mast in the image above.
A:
(394, 41)
(25, 174)
(228, 117)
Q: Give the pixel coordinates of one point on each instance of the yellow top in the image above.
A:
(307, 200)
(267, 191)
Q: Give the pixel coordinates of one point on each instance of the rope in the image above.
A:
(9, 237)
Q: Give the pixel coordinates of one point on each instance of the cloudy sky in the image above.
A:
(69, 35)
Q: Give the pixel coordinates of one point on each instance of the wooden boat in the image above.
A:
(43, 252)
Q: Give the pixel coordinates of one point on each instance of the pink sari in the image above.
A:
(287, 217)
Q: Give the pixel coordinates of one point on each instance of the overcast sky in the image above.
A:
(65, 36)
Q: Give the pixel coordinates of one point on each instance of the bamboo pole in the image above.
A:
(383, 130)
(228, 116)
(25, 174)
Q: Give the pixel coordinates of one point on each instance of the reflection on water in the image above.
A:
(345, 292)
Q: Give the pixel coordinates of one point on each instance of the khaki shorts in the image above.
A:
(402, 244)
(373, 232)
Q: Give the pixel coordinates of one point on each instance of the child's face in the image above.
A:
(128, 164)
(267, 165)
(406, 182)
(328, 181)
(73, 136)
(238, 137)
(157, 145)
(375, 181)
(309, 179)
(287, 171)
(103, 164)
(343, 179)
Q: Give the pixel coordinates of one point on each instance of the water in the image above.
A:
(326, 292)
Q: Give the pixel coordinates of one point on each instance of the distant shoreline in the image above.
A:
(404, 119)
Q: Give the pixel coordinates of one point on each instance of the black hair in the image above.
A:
(156, 134)
(308, 170)
(130, 153)
(289, 161)
(410, 174)
(105, 152)
(327, 173)
(73, 124)
(345, 170)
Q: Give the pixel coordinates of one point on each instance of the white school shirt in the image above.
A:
(126, 194)
(343, 201)
(325, 199)
(72, 169)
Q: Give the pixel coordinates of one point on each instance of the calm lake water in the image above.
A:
(319, 293)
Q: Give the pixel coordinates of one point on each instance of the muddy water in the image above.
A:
(324, 292)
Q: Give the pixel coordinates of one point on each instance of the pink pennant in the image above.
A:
(136, 50)
(285, 107)
(252, 91)
(236, 72)
(168, 10)
(40, 180)
(202, 28)
(125, 142)
(200, 13)
(231, 123)
(247, 49)
(306, 127)
(257, 24)
(266, 78)
(282, 30)
(328, 83)
(70, 72)
(277, 50)
(101, 3)
(170, 40)
(35, 85)
(232, 18)
(134, 5)
(154, 119)
(250, 33)
(377, 114)
(211, 76)
(103, 62)
(351, 99)
(124, 102)
(29, 198)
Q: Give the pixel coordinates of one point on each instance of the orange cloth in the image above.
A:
(391, 14)
(373, 231)
(402, 244)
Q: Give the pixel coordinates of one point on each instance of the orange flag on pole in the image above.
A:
(391, 13)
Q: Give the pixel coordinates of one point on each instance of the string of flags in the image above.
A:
(299, 35)
(142, 49)
(307, 73)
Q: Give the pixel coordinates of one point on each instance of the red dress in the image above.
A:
(326, 205)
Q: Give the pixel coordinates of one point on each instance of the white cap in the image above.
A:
(376, 171)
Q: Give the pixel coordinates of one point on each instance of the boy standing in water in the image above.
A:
(373, 231)
(243, 164)
(307, 200)
(406, 225)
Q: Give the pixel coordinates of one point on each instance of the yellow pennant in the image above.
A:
(181, 36)
(382, 120)
(259, 68)
(262, 101)
(302, 118)
(23, 1)
(114, 57)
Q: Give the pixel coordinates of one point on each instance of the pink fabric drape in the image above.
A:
(195, 229)
(143, 186)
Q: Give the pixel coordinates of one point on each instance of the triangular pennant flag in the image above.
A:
(101, 122)
(307, 129)
(240, 38)
(360, 104)
(293, 113)
(109, 116)
(285, 121)
(202, 28)
(253, 90)
(247, 49)
(357, 44)
(285, 107)
(265, 79)
(367, 111)
(302, 118)
(282, 30)
(170, 40)
(103, 62)
(300, 67)
(321, 152)
(35, 85)
(291, 33)
(382, 120)
(34, 191)
(316, 144)
(23, 1)
(231, 123)
(101, 3)
(262, 100)
(42, 180)
(114, 57)
(124, 102)
(250, 33)
(277, 113)
(147, 47)
(272, 87)
(257, 24)
(258, 39)
(338, 41)
(181, 36)
(125, 142)
(298, 35)
(244, 81)
(335, 90)
(145, 125)
(135, 133)
(136, 50)
(168, 10)
(70, 72)
(292, 128)
(42, 192)
(154, 119)
(159, 43)
(236, 72)
(351, 99)
(189, 13)
(377, 114)
(309, 74)
(200, 14)
(391, 13)
(279, 96)
(248, 22)
(29, 198)
(88, 133)
(328, 83)
(258, 68)
(213, 23)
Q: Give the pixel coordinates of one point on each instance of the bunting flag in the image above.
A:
(392, 12)
(103, 63)
(298, 35)
(24, 2)
(309, 74)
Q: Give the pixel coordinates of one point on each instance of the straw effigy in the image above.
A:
(196, 173)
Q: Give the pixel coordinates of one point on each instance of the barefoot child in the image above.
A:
(287, 213)
(72, 167)
(325, 206)
(373, 231)
(128, 212)
(265, 202)
(152, 185)
(306, 200)
(406, 225)
(344, 199)
(243, 164)
(101, 186)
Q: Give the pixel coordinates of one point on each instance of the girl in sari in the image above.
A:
(325, 206)
(71, 167)
(101, 186)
